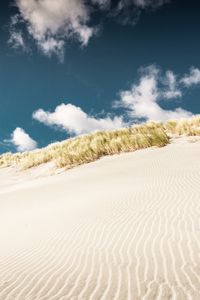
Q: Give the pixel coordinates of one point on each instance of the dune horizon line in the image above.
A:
(90, 147)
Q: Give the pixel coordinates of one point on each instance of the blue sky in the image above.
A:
(78, 67)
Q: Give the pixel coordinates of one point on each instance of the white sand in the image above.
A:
(124, 227)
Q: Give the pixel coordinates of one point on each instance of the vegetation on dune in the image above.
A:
(90, 147)
(188, 127)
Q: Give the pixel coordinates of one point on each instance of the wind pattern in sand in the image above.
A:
(124, 227)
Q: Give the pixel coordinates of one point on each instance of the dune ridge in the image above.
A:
(90, 147)
(123, 227)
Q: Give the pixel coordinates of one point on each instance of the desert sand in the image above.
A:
(124, 227)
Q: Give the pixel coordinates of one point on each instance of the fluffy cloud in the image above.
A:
(142, 100)
(52, 23)
(22, 141)
(192, 78)
(75, 121)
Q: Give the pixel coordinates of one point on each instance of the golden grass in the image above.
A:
(189, 127)
(90, 147)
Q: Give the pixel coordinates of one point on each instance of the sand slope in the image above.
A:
(124, 227)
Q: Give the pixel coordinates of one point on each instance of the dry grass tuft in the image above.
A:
(90, 147)
(188, 127)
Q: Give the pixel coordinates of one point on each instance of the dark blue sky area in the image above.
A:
(91, 77)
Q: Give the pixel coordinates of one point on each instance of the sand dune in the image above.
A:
(123, 227)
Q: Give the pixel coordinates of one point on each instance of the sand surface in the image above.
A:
(123, 227)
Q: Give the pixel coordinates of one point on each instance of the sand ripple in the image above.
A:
(124, 227)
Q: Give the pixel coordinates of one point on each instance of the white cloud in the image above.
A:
(50, 23)
(51, 45)
(172, 87)
(193, 78)
(141, 101)
(75, 121)
(22, 141)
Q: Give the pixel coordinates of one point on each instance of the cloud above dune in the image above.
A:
(142, 100)
(172, 89)
(52, 23)
(192, 78)
(75, 121)
(22, 141)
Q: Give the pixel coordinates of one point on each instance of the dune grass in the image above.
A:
(90, 147)
(188, 127)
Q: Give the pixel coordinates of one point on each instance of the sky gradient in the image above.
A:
(124, 60)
